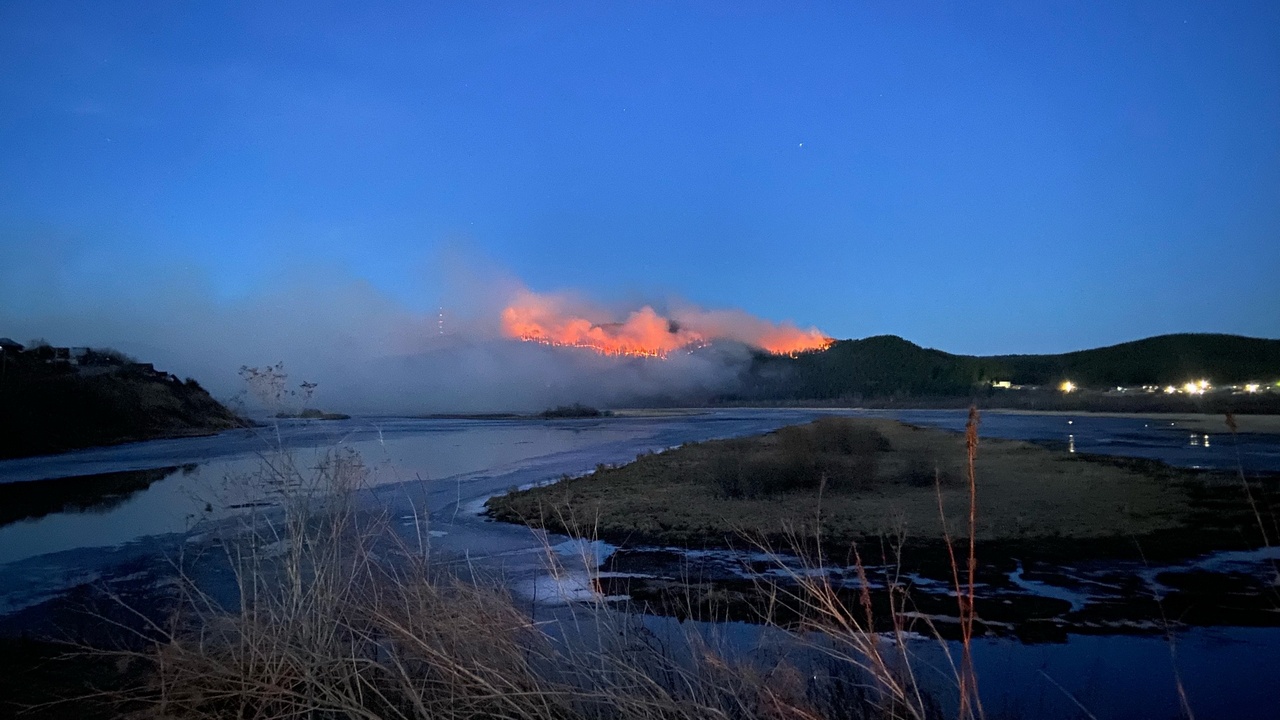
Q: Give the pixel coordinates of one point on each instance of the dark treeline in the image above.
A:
(888, 368)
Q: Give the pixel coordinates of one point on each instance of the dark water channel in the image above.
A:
(109, 517)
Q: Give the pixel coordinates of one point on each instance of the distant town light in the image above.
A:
(1251, 387)
(1197, 387)
(1067, 386)
(1169, 389)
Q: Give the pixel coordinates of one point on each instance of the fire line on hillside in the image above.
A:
(549, 319)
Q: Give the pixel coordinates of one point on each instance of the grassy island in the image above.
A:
(858, 479)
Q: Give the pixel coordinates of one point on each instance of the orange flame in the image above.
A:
(548, 319)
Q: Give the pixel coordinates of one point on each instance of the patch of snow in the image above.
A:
(1077, 599)
(475, 507)
(593, 552)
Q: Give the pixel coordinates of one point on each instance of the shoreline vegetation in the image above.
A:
(311, 414)
(576, 410)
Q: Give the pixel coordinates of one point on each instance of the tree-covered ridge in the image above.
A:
(889, 366)
(1160, 360)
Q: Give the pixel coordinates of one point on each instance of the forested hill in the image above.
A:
(56, 399)
(889, 366)
(1160, 360)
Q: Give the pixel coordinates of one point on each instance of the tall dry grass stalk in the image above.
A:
(853, 636)
(1244, 482)
(969, 698)
(969, 702)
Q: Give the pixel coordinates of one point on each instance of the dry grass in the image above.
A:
(335, 618)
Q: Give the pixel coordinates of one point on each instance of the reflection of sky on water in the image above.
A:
(362, 433)
(1163, 440)
(177, 502)
(169, 505)
(1228, 673)
(398, 450)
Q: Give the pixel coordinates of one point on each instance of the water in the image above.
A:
(438, 472)
(1226, 673)
(1169, 441)
(435, 475)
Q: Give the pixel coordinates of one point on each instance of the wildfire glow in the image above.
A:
(552, 320)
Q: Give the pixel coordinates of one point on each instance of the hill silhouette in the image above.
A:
(887, 366)
(52, 400)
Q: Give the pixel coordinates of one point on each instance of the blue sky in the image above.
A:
(1028, 177)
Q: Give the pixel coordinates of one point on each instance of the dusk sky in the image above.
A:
(1029, 177)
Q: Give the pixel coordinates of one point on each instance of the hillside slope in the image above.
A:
(888, 366)
(1160, 360)
(49, 405)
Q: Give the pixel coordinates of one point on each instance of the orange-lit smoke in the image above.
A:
(551, 320)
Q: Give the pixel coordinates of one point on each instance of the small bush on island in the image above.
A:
(575, 410)
(312, 414)
(829, 453)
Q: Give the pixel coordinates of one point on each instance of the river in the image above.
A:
(436, 473)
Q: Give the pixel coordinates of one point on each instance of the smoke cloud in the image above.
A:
(371, 354)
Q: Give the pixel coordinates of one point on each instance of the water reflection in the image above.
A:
(1173, 442)
(86, 493)
(133, 504)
